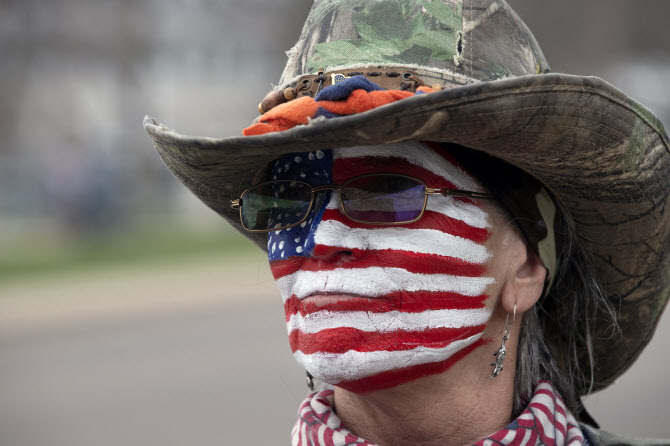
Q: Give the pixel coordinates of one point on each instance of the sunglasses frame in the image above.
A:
(237, 204)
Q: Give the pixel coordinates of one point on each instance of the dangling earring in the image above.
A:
(310, 381)
(502, 351)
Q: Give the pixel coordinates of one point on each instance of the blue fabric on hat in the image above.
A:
(341, 91)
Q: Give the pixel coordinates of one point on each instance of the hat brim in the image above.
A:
(603, 154)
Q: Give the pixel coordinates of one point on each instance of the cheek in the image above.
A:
(444, 246)
(457, 232)
(437, 221)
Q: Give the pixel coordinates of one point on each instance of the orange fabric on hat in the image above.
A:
(284, 117)
(298, 111)
(361, 101)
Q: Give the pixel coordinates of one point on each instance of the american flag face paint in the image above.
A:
(370, 307)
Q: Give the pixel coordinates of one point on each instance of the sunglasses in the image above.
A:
(374, 199)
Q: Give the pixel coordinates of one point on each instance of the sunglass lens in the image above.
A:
(383, 198)
(275, 205)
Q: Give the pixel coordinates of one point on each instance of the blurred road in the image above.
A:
(193, 353)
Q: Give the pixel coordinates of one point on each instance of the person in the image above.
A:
(465, 243)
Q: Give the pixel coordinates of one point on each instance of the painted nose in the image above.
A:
(333, 239)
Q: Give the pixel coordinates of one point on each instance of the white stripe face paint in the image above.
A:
(459, 210)
(352, 365)
(425, 339)
(424, 241)
(389, 321)
(376, 281)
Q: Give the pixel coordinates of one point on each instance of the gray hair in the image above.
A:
(568, 312)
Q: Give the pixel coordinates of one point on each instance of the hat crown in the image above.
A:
(467, 40)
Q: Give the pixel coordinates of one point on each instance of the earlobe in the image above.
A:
(525, 284)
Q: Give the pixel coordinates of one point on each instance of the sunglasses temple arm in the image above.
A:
(458, 193)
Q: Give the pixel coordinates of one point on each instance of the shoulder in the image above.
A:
(598, 437)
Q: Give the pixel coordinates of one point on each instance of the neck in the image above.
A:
(467, 407)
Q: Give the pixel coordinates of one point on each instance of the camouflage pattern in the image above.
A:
(605, 156)
(475, 40)
(390, 31)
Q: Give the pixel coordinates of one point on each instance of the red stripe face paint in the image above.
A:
(370, 306)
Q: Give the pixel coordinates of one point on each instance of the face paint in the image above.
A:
(370, 307)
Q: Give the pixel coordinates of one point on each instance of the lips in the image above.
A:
(337, 302)
(331, 298)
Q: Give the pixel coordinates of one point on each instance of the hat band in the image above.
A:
(311, 84)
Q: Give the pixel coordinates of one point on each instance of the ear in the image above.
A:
(525, 283)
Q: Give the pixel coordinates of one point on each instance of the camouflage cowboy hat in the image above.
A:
(605, 156)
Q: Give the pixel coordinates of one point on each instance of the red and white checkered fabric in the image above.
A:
(546, 421)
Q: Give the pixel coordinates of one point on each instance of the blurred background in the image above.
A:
(130, 313)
